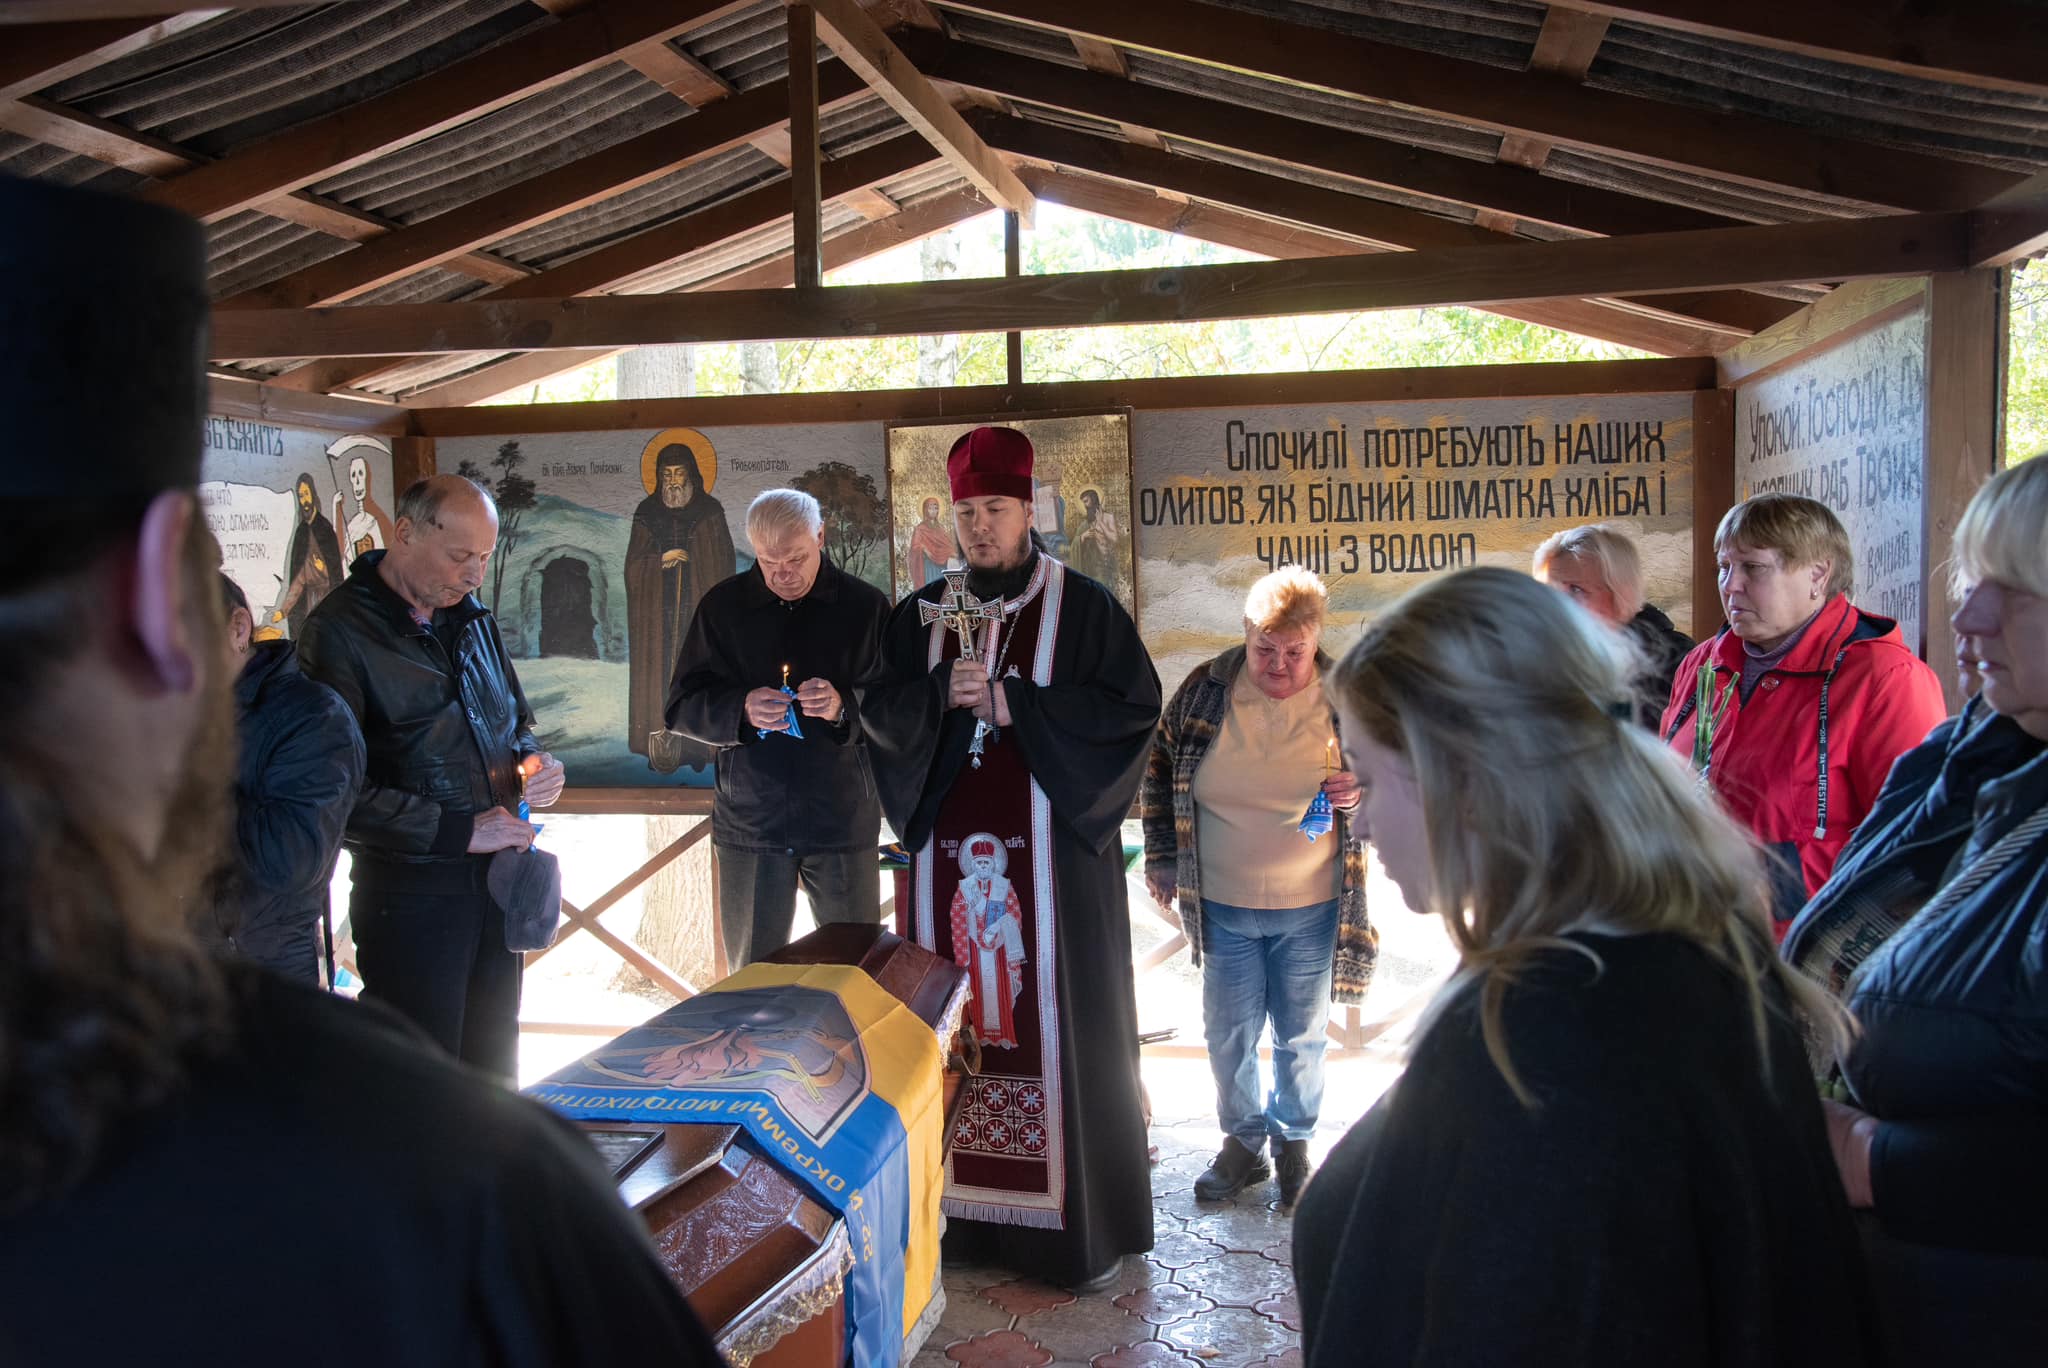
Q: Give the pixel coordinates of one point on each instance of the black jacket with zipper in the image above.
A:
(443, 720)
(777, 793)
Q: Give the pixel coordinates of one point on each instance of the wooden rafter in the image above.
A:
(2012, 226)
(1565, 47)
(1990, 44)
(644, 251)
(538, 199)
(1712, 259)
(41, 55)
(1311, 146)
(54, 11)
(103, 140)
(458, 92)
(848, 31)
(921, 220)
(1250, 233)
(1388, 226)
(1758, 151)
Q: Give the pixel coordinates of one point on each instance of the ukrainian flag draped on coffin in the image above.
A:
(840, 1084)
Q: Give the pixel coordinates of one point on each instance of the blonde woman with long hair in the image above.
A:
(1607, 1147)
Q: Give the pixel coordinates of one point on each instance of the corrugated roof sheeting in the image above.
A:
(523, 140)
(853, 126)
(253, 73)
(32, 160)
(435, 285)
(747, 49)
(680, 192)
(1374, 193)
(1736, 199)
(249, 249)
(2006, 129)
(1497, 32)
(1024, 40)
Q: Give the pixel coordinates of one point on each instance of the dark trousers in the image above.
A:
(440, 959)
(757, 896)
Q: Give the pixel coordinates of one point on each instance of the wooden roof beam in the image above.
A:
(39, 55)
(1250, 233)
(1298, 142)
(1989, 44)
(1390, 226)
(642, 252)
(1757, 151)
(538, 199)
(103, 140)
(1565, 46)
(2011, 226)
(458, 92)
(25, 12)
(846, 28)
(1712, 259)
(919, 221)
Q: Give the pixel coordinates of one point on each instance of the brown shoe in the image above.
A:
(1291, 1162)
(1235, 1168)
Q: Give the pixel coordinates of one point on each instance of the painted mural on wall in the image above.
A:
(1848, 427)
(607, 542)
(1377, 498)
(292, 510)
(1081, 498)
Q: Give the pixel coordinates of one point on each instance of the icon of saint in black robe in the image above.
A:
(679, 547)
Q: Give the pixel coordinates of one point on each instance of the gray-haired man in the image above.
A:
(793, 805)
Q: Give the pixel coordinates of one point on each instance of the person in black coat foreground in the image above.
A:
(203, 1163)
(1933, 926)
(298, 765)
(1607, 1148)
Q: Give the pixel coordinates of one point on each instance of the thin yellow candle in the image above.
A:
(785, 676)
(1330, 755)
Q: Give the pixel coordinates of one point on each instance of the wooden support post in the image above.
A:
(1965, 334)
(808, 223)
(1713, 494)
(1013, 265)
(412, 460)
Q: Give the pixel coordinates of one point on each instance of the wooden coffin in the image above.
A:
(761, 1261)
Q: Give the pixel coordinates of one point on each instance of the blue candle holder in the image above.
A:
(1319, 818)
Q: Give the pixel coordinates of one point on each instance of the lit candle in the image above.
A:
(1330, 755)
(785, 676)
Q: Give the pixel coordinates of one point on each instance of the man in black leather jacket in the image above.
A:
(298, 766)
(419, 662)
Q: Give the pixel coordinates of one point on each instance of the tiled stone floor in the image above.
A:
(1215, 1292)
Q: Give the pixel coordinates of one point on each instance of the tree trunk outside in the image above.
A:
(938, 357)
(760, 368)
(677, 919)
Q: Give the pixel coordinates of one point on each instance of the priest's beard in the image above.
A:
(106, 993)
(1006, 584)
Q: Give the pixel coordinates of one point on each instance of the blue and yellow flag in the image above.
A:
(840, 1084)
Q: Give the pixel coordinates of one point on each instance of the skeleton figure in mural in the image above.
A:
(931, 547)
(988, 938)
(1094, 550)
(370, 528)
(680, 546)
(314, 564)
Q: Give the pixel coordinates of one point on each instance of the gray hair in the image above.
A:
(778, 513)
(1607, 548)
(422, 501)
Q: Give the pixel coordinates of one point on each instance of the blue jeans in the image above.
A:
(1260, 964)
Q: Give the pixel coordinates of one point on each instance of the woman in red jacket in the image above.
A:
(1821, 696)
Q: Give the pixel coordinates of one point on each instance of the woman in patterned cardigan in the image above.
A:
(1276, 919)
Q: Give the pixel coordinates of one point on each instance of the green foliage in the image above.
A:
(856, 519)
(2026, 371)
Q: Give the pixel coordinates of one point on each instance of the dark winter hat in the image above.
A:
(990, 460)
(527, 886)
(102, 343)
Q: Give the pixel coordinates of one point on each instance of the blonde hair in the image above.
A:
(1288, 600)
(2004, 532)
(1802, 531)
(1543, 810)
(778, 513)
(1621, 569)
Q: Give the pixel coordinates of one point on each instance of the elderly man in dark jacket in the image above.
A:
(451, 750)
(795, 803)
(299, 763)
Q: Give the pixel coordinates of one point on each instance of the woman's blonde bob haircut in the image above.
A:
(2004, 532)
(1544, 809)
(1802, 531)
(1288, 600)
(1609, 550)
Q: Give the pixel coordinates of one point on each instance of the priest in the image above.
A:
(1009, 721)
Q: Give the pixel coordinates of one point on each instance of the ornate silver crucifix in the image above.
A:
(962, 614)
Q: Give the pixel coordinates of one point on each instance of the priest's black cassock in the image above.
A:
(1082, 734)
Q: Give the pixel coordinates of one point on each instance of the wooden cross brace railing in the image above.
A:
(586, 918)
